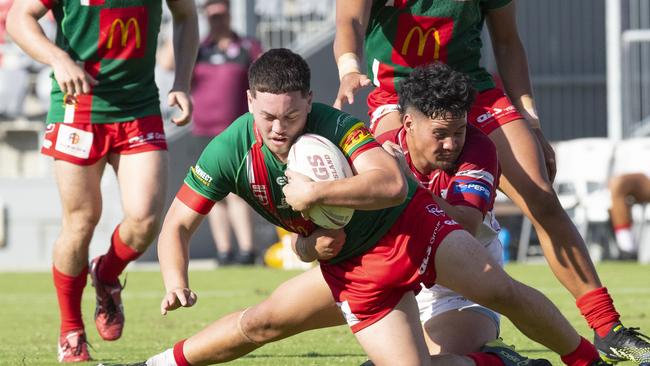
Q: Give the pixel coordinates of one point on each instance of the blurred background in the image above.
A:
(589, 62)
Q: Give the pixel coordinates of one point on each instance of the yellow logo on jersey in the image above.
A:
(355, 137)
(422, 40)
(124, 31)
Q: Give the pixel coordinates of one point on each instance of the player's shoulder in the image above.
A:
(324, 117)
(388, 136)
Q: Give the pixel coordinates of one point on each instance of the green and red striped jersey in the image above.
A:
(233, 163)
(114, 41)
(404, 34)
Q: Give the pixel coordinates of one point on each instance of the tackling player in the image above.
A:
(391, 245)
(397, 36)
(104, 109)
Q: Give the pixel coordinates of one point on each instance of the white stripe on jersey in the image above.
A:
(478, 174)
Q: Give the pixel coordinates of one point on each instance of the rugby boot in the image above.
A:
(624, 344)
(109, 311)
(73, 347)
(509, 356)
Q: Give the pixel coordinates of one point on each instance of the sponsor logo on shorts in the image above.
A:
(350, 318)
(435, 210)
(74, 142)
(148, 137)
(450, 222)
(425, 261)
(201, 175)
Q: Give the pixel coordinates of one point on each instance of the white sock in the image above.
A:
(163, 359)
(625, 240)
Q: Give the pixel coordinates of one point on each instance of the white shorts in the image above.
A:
(438, 299)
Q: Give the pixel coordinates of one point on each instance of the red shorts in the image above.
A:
(85, 143)
(369, 286)
(490, 110)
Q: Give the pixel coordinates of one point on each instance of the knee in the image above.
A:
(80, 223)
(143, 228)
(260, 325)
(620, 185)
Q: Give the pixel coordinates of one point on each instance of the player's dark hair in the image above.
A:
(279, 71)
(437, 90)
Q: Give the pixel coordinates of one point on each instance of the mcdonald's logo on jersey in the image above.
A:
(421, 39)
(122, 33)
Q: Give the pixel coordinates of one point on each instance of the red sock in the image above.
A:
(485, 359)
(598, 308)
(179, 357)
(584, 355)
(114, 262)
(69, 290)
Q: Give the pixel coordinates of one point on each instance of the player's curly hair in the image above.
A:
(437, 90)
(279, 71)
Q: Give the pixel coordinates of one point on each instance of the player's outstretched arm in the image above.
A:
(186, 45)
(22, 25)
(173, 253)
(351, 22)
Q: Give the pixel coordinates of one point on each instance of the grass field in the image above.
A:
(29, 316)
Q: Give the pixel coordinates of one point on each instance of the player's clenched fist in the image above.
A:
(176, 298)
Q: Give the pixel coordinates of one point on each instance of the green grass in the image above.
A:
(29, 316)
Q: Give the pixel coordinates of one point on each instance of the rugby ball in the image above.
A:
(321, 160)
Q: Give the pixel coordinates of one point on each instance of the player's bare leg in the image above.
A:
(81, 204)
(464, 266)
(397, 339)
(143, 179)
(220, 229)
(311, 307)
(242, 227)
(526, 182)
(623, 188)
(143, 185)
(459, 332)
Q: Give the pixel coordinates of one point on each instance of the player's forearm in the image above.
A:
(371, 190)
(173, 255)
(28, 35)
(350, 28)
(186, 44)
(513, 69)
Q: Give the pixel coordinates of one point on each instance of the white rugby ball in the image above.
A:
(321, 160)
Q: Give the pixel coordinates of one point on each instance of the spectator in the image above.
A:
(626, 190)
(219, 88)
